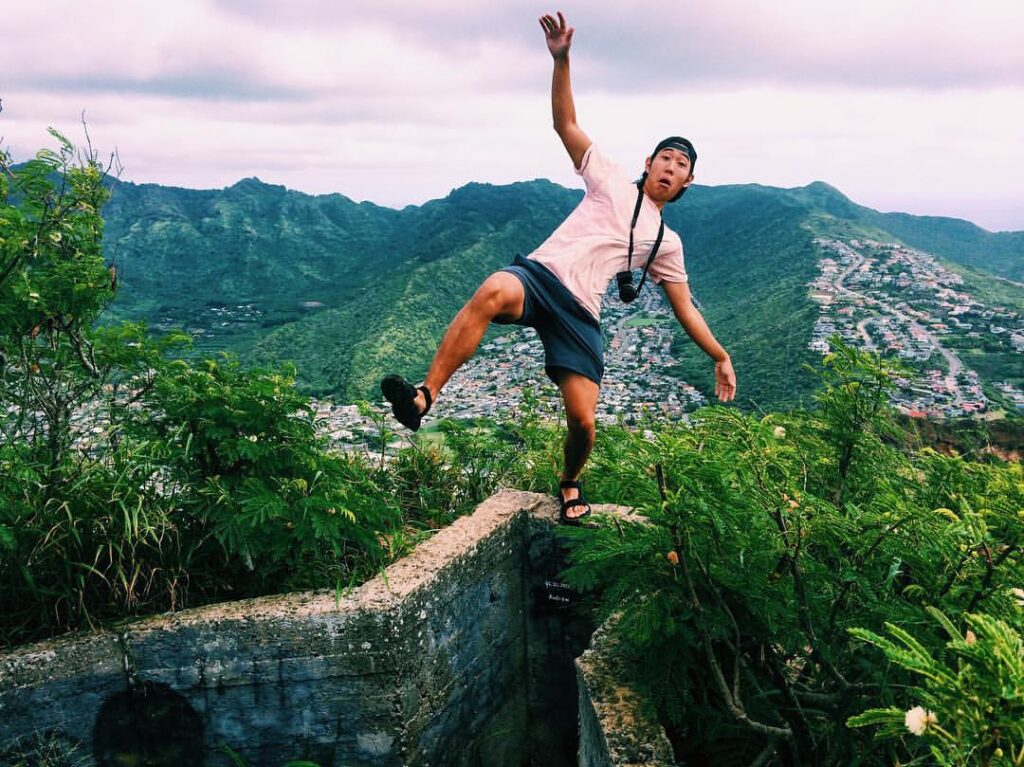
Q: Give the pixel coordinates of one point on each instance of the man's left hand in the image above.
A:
(725, 380)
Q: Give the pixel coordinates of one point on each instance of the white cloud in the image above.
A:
(913, 105)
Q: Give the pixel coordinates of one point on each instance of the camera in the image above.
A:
(627, 293)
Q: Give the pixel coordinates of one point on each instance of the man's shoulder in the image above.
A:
(599, 167)
(673, 239)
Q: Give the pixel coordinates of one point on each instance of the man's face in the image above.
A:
(668, 172)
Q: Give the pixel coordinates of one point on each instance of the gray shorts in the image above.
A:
(571, 336)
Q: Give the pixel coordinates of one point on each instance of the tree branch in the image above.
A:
(734, 705)
(78, 341)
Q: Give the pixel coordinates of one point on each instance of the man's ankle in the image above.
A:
(421, 400)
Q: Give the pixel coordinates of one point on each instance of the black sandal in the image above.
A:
(566, 505)
(402, 396)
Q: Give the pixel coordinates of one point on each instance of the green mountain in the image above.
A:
(180, 251)
(1001, 253)
(351, 290)
(339, 286)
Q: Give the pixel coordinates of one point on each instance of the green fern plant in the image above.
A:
(969, 696)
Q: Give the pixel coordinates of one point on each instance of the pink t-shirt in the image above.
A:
(591, 245)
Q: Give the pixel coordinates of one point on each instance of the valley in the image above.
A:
(350, 291)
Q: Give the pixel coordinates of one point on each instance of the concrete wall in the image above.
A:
(461, 655)
(617, 726)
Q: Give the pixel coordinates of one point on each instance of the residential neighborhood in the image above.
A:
(638, 338)
(900, 301)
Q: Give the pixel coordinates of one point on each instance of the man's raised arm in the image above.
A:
(562, 108)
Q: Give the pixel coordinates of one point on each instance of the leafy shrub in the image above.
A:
(765, 540)
(133, 481)
(245, 459)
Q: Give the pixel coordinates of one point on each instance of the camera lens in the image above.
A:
(626, 290)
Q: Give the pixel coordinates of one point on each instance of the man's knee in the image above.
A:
(500, 295)
(579, 396)
(581, 422)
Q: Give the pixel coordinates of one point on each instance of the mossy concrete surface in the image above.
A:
(618, 726)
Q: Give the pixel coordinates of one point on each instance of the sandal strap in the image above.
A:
(427, 397)
(569, 483)
(574, 502)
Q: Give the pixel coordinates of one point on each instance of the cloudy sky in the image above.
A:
(912, 105)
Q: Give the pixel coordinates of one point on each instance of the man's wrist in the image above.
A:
(721, 357)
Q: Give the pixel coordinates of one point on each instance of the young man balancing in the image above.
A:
(558, 288)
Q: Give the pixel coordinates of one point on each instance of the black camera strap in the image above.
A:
(657, 240)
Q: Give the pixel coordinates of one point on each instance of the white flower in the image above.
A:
(252, 438)
(918, 720)
(1018, 594)
(780, 431)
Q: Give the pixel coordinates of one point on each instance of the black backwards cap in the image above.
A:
(680, 143)
(683, 145)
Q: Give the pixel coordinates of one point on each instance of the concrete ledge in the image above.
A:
(618, 726)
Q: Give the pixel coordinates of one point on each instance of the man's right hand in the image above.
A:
(559, 38)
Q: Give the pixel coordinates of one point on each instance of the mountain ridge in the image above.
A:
(353, 289)
(812, 186)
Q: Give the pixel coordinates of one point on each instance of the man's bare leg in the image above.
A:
(579, 394)
(500, 296)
